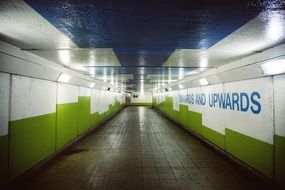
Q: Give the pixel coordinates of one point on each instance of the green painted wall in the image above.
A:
(213, 136)
(183, 115)
(94, 118)
(3, 159)
(195, 122)
(191, 119)
(84, 113)
(30, 141)
(255, 153)
(168, 107)
(280, 159)
(67, 123)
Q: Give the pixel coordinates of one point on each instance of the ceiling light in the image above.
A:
(105, 78)
(169, 88)
(63, 78)
(273, 67)
(203, 81)
(203, 62)
(275, 28)
(92, 85)
(78, 67)
(180, 73)
(64, 56)
(180, 86)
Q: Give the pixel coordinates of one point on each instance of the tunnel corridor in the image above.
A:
(140, 149)
(142, 94)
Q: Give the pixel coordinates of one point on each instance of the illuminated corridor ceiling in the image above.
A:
(140, 44)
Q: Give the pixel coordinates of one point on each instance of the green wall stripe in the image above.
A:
(280, 159)
(30, 140)
(195, 122)
(83, 113)
(94, 118)
(213, 136)
(67, 123)
(255, 153)
(183, 115)
(3, 159)
(33, 139)
(168, 108)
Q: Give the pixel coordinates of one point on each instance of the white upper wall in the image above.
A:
(142, 97)
(67, 93)
(84, 91)
(279, 102)
(4, 103)
(244, 106)
(32, 97)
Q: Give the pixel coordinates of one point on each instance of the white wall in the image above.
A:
(248, 122)
(4, 103)
(95, 101)
(144, 97)
(84, 91)
(32, 97)
(67, 93)
(279, 102)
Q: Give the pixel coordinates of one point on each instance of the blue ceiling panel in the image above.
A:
(146, 24)
(142, 57)
(144, 33)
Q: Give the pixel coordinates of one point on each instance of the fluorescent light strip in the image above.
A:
(63, 78)
(273, 67)
(203, 81)
(92, 85)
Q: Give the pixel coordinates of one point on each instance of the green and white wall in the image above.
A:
(4, 120)
(40, 117)
(279, 132)
(248, 124)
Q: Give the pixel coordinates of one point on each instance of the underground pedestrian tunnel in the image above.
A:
(142, 94)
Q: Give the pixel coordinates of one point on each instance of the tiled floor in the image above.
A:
(139, 149)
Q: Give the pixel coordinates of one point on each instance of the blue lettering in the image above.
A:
(257, 108)
(228, 102)
(222, 101)
(215, 99)
(244, 105)
(235, 101)
(200, 99)
(211, 103)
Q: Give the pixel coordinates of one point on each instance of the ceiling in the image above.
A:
(142, 44)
